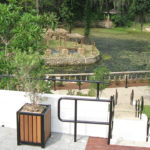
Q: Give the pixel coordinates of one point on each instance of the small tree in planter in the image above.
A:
(33, 120)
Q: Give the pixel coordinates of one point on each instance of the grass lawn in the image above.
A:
(147, 110)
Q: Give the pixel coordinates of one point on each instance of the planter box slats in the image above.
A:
(33, 128)
(22, 134)
(38, 123)
(26, 128)
(30, 128)
(47, 124)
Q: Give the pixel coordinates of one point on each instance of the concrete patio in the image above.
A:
(57, 141)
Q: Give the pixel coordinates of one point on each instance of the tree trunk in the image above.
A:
(142, 21)
(37, 6)
(25, 5)
(69, 28)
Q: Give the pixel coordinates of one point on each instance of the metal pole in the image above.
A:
(126, 86)
(110, 121)
(97, 90)
(54, 85)
(147, 129)
(75, 122)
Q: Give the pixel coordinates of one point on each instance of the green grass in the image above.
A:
(131, 33)
(147, 110)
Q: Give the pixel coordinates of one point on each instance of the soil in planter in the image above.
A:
(33, 108)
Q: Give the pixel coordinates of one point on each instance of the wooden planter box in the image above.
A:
(34, 128)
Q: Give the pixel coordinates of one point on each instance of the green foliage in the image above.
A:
(92, 92)
(121, 21)
(9, 16)
(146, 110)
(71, 92)
(79, 83)
(28, 33)
(59, 83)
(67, 13)
(29, 68)
(142, 7)
(87, 18)
(49, 21)
(99, 75)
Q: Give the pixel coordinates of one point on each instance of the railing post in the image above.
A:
(110, 121)
(55, 84)
(75, 122)
(142, 106)
(136, 108)
(97, 90)
(148, 120)
(126, 82)
(116, 97)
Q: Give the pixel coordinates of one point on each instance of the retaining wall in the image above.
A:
(11, 101)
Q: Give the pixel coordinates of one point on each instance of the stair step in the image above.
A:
(121, 141)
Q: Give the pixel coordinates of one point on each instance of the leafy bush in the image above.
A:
(79, 83)
(121, 21)
(60, 83)
(92, 92)
(100, 75)
(71, 92)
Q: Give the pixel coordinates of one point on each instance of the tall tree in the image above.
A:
(67, 13)
(37, 6)
(142, 7)
(9, 17)
(87, 18)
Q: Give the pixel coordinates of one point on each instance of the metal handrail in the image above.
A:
(75, 121)
(148, 125)
(64, 80)
(139, 106)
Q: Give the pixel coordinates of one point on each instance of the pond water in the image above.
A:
(119, 54)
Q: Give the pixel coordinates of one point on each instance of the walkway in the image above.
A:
(101, 144)
(57, 141)
(123, 110)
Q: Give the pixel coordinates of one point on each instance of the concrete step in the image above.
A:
(132, 130)
(123, 142)
(125, 115)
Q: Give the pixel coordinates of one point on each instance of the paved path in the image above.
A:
(101, 144)
(123, 110)
(57, 141)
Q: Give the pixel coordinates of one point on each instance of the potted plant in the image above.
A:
(33, 120)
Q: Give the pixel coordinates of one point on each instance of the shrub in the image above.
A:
(71, 92)
(121, 21)
(59, 83)
(92, 92)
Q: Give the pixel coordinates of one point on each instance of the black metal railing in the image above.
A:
(139, 106)
(131, 97)
(116, 97)
(66, 80)
(148, 125)
(80, 81)
(75, 120)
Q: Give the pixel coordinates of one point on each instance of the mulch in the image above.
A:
(95, 143)
(67, 86)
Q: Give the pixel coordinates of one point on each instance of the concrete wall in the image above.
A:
(60, 61)
(11, 101)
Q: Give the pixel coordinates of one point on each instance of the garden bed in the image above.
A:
(113, 84)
